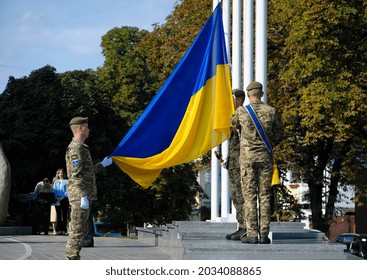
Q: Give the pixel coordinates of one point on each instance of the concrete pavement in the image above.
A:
(180, 241)
(191, 248)
(52, 247)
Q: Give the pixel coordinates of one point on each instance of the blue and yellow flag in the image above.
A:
(189, 115)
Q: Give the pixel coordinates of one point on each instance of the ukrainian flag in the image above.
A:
(189, 115)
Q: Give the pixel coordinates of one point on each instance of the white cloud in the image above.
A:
(33, 30)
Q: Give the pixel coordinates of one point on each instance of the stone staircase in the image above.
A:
(206, 240)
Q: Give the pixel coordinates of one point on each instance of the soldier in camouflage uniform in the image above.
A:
(81, 187)
(233, 166)
(256, 163)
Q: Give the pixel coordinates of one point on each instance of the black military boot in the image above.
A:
(264, 240)
(88, 243)
(73, 258)
(249, 240)
(237, 234)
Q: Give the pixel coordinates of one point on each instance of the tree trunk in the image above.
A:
(316, 205)
(333, 193)
(316, 184)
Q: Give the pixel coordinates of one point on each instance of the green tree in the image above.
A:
(176, 192)
(172, 197)
(31, 127)
(85, 95)
(124, 71)
(317, 78)
(35, 112)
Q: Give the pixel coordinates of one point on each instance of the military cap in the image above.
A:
(78, 120)
(254, 85)
(238, 92)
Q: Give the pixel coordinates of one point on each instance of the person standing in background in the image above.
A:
(44, 186)
(44, 208)
(234, 172)
(62, 207)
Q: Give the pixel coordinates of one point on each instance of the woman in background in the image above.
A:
(62, 210)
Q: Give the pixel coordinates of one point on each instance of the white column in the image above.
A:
(227, 25)
(236, 45)
(248, 44)
(214, 196)
(236, 67)
(261, 45)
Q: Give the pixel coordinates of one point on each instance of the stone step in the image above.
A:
(217, 231)
(206, 240)
(15, 230)
(187, 225)
(287, 226)
(306, 234)
(236, 250)
(212, 235)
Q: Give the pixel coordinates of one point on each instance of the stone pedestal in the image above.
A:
(4, 186)
(206, 241)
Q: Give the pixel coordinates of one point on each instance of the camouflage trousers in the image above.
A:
(78, 226)
(88, 239)
(236, 194)
(256, 180)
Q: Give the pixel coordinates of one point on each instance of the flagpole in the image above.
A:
(214, 196)
(225, 187)
(236, 80)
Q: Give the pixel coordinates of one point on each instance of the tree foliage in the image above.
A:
(125, 72)
(317, 78)
(35, 112)
(30, 126)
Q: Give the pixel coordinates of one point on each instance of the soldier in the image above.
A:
(233, 166)
(256, 163)
(81, 187)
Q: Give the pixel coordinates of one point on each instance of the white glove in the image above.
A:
(106, 161)
(84, 203)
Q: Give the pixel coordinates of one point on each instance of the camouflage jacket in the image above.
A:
(233, 149)
(252, 147)
(81, 172)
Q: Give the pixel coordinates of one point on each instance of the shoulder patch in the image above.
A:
(75, 160)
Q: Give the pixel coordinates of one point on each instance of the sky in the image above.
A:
(66, 34)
